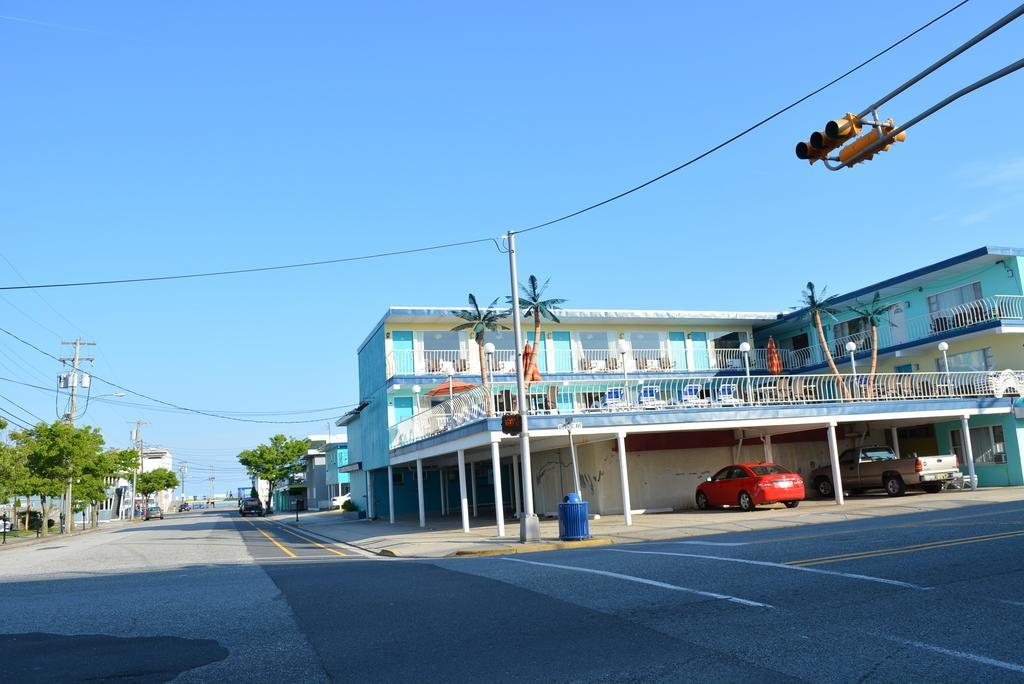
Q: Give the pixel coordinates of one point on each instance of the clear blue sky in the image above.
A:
(155, 138)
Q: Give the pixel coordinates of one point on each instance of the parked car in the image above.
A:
(878, 467)
(251, 506)
(749, 485)
(339, 501)
(154, 512)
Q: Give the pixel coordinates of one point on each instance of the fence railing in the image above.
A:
(705, 392)
(986, 309)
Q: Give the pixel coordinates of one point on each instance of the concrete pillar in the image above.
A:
(769, 457)
(370, 504)
(833, 454)
(515, 483)
(391, 496)
(441, 483)
(472, 486)
(419, 490)
(895, 441)
(627, 511)
(965, 429)
(499, 508)
(463, 501)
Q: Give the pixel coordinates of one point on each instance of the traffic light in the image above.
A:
(865, 141)
(511, 423)
(835, 134)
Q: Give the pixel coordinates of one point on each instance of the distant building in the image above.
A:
(152, 459)
(318, 489)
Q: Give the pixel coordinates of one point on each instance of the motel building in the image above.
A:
(657, 401)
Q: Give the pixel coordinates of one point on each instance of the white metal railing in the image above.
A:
(986, 309)
(431, 362)
(707, 392)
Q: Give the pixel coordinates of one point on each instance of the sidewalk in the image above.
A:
(57, 537)
(443, 537)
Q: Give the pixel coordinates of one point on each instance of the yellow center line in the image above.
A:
(907, 549)
(272, 540)
(314, 542)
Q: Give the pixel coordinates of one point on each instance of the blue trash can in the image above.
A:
(573, 518)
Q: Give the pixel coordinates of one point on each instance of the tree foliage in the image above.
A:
(274, 461)
(155, 480)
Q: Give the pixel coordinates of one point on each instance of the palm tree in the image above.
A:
(872, 312)
(532, 303)
(480, 321)
(817, 304)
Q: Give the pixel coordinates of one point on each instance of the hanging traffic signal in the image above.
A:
(867, 141)
(822, 142)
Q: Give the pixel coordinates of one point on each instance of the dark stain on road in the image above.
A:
(37, 656)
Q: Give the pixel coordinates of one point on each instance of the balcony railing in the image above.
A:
(706, 392)
(967, 315)
(431, 362)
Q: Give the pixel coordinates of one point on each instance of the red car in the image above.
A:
(749, 485)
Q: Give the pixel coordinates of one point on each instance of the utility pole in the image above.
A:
(183, 469)
(213, 476)
(137, 439)
(73, 381)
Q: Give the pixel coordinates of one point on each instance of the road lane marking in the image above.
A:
(314, 542)
(649, 582)
(781, 566)
(984, 660)
(272, 540)
(907, 549)
(706, 543)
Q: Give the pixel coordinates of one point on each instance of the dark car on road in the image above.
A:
(184, 507)
(251, 506)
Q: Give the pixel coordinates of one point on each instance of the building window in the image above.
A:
(850, 327)
(797, 342)
(907, 368)
(977, 360)
(954, 297)
(398, 478)
(986, 443)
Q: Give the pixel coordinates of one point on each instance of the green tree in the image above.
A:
(156, 480)
(274, 461)
(14, 475)
(54, 454)
(480, 321)
(872, 312)
(533, 304)
(818, 305)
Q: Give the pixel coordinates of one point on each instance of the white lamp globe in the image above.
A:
(943, 346)
(851, 346)
(744, 347)
(489, 348)
(622, 346)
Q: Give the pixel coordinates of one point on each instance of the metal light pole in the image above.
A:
(745, 350)
(851, 347)
(449, 370)
(529, 525)
(571, 425)
(944, 347)
(622, 348)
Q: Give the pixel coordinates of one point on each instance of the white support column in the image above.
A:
(370, 507)
(769, 457)
(391, 496)
(627, 511)
(965, 431)
(499, 508)
(515, 483)
(833, 454)
(472, 486)
(441, 483)
(419, 490)
(463, 501)
(895, 441)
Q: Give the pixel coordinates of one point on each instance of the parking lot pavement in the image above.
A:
(925, 597)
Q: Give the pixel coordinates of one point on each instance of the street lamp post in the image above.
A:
(416, 389)
(851, 347)
(745, 350)
(944, 347)
(570, 425)
(449, 370)
(622, 347)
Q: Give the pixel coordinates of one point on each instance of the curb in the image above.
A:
(529, 548)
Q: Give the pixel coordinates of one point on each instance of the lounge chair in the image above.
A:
(649, 397)
(728, 394)
(614, 398)
(692, 395)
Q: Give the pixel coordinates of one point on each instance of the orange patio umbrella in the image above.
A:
(527, 357)
(774, 359)
(450, 387)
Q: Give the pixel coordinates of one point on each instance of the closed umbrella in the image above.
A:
(529, 375)
(774, 359)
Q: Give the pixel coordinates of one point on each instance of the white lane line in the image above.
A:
(642, 580)
(706, 543)
(1019, 604)
(781, 566)
(984, 660)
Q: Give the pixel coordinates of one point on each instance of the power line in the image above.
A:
(16, 420)
(161, 401)
(380, 255)
(743, 132)
(10, 401)
(258, 269)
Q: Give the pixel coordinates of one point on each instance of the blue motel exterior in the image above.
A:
(658, 400)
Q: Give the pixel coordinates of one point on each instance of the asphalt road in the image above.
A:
(214, 597)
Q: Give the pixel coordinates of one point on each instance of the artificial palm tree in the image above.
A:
(480, 321)
(817, 304)
(532, 303)
(872, 313)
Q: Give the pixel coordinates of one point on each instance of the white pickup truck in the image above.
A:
(878, 467)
